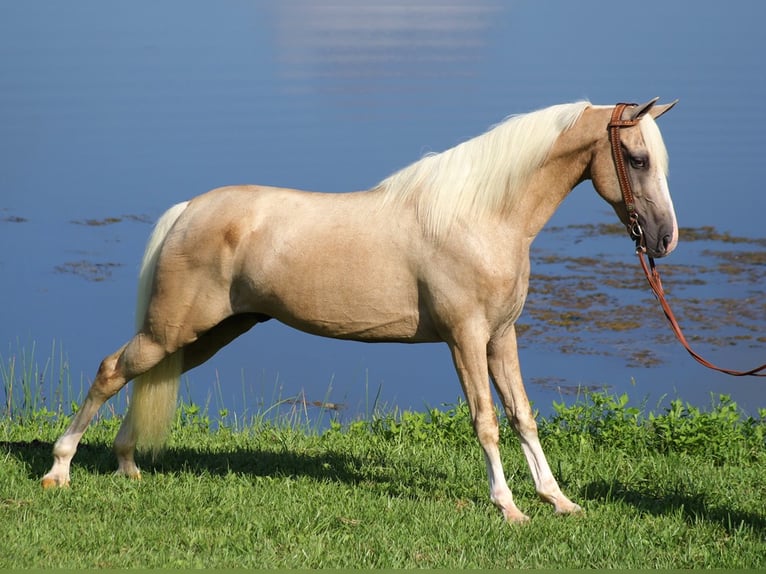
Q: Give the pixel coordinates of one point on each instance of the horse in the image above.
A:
(436, 252)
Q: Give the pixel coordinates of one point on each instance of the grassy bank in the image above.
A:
(682, 488)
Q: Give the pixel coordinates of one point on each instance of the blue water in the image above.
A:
(110, 110)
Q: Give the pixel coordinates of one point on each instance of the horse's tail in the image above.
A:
(153, 400)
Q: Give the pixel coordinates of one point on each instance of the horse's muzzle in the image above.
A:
(661, 244)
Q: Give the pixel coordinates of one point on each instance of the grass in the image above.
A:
(683, 488)
(395, 491)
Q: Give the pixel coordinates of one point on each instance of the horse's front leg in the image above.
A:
(503, 362)
(469, 353)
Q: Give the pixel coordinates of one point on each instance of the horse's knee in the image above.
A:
(524, 424)
(487, 429)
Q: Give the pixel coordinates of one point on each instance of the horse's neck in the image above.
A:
(564, 168)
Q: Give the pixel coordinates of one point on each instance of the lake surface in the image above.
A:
(110, 113)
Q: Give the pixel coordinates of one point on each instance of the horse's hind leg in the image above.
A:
(191, 355)
(113, 373)
(212, 341)
(503, 361)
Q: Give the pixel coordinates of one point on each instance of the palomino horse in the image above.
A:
(439, 251)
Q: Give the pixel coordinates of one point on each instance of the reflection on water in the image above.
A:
(109, 110)
(363, 45)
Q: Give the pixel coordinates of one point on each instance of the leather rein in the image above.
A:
(637, 234)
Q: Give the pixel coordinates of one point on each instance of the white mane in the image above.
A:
(482, 175)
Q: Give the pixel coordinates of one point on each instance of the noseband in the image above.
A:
(637, 234)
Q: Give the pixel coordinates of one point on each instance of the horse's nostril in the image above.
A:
(666, 241)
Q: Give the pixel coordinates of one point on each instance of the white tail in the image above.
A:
(153, 400)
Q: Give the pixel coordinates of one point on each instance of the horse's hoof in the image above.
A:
(53, 482)
(128, 475)
(515, 517)
(129, 470)
(575, 510)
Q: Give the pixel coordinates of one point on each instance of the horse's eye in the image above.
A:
(638, 162)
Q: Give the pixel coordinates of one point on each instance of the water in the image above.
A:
(110, 113)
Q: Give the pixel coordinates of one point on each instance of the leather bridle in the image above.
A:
(616, 123)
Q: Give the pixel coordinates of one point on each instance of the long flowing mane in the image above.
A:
(481, 175)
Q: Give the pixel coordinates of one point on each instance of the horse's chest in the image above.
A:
(493, 292)
(505, 301)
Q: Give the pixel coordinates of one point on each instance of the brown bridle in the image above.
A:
(615, 124)
(637, 234)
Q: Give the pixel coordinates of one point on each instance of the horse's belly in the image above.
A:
(371, 329)
(344, 314)
(342, 300)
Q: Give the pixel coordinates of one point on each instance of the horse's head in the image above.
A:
(639, 147)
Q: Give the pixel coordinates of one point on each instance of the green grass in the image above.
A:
(682, 488)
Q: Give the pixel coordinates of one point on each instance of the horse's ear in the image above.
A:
(657, 111)
(636, 112)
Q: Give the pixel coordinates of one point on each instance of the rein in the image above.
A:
(637, 234)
